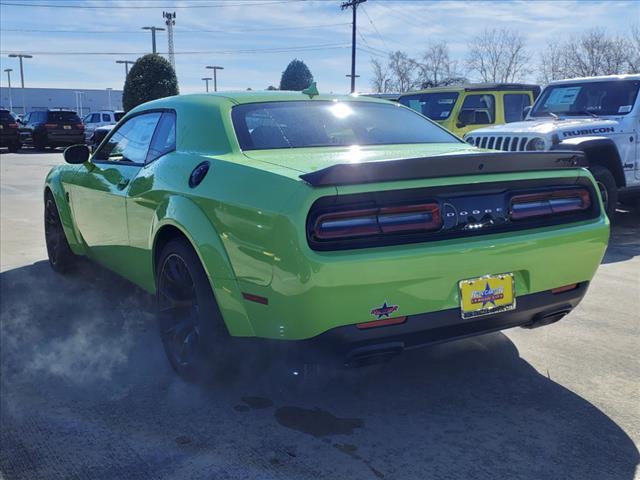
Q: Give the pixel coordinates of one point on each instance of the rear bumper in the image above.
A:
(9, 138)
(351, 345)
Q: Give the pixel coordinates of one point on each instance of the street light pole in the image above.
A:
(206, 80)
(9, 70)
(126, 66)
(20, 56)
(215, 79)
(153, 36)
(109, 96)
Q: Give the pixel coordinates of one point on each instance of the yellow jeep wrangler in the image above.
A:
(461, 109)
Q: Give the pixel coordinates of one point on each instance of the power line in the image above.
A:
(181, 31)
(199, 52)
(141, 7)
(364, 10)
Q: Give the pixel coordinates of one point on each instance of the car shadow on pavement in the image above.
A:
(624, 242)
(87, 393)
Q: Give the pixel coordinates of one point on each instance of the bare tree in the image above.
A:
(403, 72)
(552, 62)
(498, 55)
(437, 68)
(594, 53)
(381, 79)
(634, 56)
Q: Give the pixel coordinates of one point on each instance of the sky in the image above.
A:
(75, 43)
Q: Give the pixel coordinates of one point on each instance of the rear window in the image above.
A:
(436, 106)
(5, 116)
(62, 117)
(297, 124)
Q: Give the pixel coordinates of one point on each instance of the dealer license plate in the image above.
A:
(487, 295)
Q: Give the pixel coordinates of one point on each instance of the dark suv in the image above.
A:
(9, 131)
(52, 128)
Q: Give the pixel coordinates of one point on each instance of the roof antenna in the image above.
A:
(311, 90)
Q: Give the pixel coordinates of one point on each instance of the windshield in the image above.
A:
(436, 106)
(615, 97)
(296, 124)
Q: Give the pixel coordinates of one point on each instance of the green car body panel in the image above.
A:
(247, 223)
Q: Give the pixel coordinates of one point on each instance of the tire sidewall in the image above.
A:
(605, 178)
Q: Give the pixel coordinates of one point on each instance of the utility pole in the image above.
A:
(354, 5)
(126, 66)
(215, 78)
(9, 70)
(20, 56)
(170, 21)
(153, 36)
(109, 96)
(206, 79)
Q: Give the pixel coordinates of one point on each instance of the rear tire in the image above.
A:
(14, 147)
(608, 188)
(61, 258)
(191, 326)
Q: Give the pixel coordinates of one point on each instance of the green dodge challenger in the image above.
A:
(323, 223)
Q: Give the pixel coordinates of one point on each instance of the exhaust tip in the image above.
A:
(547, 318)
(373, 354)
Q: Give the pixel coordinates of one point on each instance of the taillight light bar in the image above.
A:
(378, 221)
(549, 203)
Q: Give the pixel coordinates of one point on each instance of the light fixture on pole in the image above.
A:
(9, 70)
(206, 80)
(126, 66)
(20, 56)
(215, 80)
(153, 36)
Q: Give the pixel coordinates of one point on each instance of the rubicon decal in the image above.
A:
(588, 131)
(384, 311)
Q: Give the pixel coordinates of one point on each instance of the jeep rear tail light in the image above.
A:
(12, 125)
(50, 125)
(549, 203)
(378, 221)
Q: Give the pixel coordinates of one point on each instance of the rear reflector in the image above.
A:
(549, 203)
(565, 288)
(375, 221)
(382, 323)
(255, 298)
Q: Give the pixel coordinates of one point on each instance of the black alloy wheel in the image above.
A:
(191, 326)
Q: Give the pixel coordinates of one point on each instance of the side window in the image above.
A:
(87, 118)
(514, 104)
(106, 117)
(95, 118)
(130, 143)
(478, 110)
(164, 140)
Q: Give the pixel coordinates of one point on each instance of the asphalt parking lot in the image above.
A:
(86, 392)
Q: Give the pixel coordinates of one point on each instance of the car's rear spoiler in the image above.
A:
(444, 166)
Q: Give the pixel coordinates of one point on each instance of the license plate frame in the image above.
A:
(497, 289)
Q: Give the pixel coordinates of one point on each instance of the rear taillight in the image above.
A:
(50, 125)
(80, 126)
(378, 221)
(549, 203)
(12, 125)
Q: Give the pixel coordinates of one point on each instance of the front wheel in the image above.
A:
(191, 326)
(608, 188)
(61, 258)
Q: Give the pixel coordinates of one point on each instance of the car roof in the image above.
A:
(634, 76)
(472, 87)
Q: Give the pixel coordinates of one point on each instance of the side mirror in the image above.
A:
(76, 154)
(526, 111)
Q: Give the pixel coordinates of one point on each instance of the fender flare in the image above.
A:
(184, 215)
(598, 151)
(53, 183)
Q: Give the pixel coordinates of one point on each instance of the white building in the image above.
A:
(81, 100)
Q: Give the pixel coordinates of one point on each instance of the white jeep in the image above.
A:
(599, 116)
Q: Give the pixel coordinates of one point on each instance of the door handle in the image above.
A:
(122, 183)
